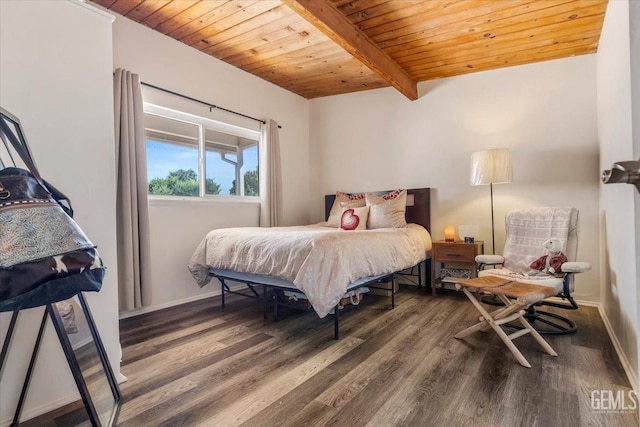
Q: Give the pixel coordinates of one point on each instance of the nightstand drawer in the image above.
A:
(464, 253)
(459, 256)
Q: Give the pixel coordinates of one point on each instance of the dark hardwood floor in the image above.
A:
(199, 365)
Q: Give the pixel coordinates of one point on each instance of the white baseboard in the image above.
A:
(632, 375)
(586, 303)
(579, 301)
(143, 310)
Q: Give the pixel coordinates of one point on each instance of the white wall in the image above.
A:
(55, 75)
(545, 113)
(634, 50)
(619, 215)
(176, 229)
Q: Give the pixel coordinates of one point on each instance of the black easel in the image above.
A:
(51, 311)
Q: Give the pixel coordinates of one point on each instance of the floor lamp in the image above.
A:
(491, 167)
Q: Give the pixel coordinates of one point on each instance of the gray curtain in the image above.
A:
(131, 205)
(270, 176)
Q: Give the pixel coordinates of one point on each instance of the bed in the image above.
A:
(322, 262)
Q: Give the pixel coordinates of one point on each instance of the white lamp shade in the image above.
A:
(491, 167)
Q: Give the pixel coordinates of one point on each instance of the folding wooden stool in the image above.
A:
(516, 297)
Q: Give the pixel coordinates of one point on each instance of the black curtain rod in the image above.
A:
(211, 106)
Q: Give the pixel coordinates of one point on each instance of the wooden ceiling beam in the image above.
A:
(335, 25)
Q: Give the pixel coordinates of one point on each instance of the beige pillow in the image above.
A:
(387, 210)
(354, 218)
(343, 200)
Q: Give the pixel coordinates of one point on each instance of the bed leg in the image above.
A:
(265, 301)
(336, 322)
(393, 294)
(222, 286)
(275, 306)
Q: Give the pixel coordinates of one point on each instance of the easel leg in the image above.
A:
(7, 340)
(32, 363)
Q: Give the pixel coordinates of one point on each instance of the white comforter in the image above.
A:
(320, 261)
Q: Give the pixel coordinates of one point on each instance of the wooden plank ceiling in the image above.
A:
(326, 47)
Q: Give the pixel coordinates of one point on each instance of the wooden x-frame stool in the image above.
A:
(516, 296)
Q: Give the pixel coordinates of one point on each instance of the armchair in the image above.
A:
(526, 230)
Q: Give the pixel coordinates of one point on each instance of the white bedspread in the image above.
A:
(320, 261)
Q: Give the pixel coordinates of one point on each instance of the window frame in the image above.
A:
(204, 123)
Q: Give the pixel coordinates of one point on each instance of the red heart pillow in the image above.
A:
(354, 218)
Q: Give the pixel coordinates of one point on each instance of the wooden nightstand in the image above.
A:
(457, 256)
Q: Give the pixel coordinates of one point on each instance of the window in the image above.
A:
(197, 157)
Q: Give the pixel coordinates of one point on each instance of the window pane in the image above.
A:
(172, 156)
(226, 164)
(220, 174)
(251, 183)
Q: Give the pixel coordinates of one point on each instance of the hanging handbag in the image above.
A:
(44, 255)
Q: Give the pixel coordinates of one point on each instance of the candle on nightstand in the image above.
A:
(449, 233)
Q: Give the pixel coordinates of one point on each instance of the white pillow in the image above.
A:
(343, 200)
(354, 218)
(387, 210)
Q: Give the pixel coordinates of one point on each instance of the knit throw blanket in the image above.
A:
(527, 229)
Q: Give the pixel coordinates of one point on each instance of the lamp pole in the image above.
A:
(493, 234)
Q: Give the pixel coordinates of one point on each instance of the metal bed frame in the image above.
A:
(252, 281)
(418, 211)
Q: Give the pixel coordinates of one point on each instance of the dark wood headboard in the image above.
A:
(419, 212)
